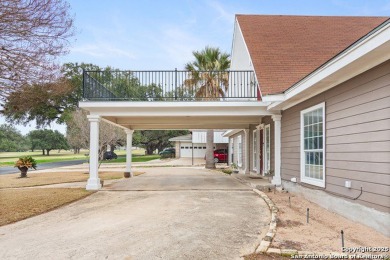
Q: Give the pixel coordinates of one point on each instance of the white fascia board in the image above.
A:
(274, 98)
(147, 104)
(232, 132)
(359, 50)
(188, 109)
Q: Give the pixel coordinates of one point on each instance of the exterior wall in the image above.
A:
(357, 131)
(267, 120)
(201, 137)
(240, 55)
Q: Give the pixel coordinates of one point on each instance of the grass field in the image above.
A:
(9, 159)
(45, 178)
(16, 205)
(135, 158)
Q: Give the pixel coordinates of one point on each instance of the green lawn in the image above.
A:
(9, 159)
(136, 158)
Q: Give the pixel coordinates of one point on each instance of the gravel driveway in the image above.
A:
(166, 213)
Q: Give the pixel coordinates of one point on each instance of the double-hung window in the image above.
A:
(313, 145)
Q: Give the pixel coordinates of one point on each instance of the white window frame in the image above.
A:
(304, 178)
(254, 149)
(240, 152)
(267, 161)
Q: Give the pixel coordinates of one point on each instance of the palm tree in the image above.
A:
(210, 80)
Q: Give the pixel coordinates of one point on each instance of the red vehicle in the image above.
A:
(220, 155)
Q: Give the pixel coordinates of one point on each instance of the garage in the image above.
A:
(186, 149)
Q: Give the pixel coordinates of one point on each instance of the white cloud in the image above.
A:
(102, 50)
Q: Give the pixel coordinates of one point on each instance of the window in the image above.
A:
(254, 150)
(312, 145)
(267, 148)
(239, 157)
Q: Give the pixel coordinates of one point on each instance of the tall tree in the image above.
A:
(11, 140)
(211, 82)
(48, 102)
(155, 139)
(47, 140)
(32, 35)
(78, 133)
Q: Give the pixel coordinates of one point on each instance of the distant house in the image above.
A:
(194, 144)
(330, 79)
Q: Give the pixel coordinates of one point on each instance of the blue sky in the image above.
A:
(146, 35)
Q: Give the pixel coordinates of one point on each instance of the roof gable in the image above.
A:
(284, 49)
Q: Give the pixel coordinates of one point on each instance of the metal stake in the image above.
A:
(342, 238)
(307, 215)
(275, 189)
(289, 201)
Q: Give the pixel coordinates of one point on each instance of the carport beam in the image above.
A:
(94, 181)
(129, 148)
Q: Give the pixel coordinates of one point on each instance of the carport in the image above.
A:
(170, 106)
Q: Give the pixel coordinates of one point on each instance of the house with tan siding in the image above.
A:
(308, 102)
(327, 80)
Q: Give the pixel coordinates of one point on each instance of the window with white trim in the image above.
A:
(239, 144)
(267, 148)
(254, 150)
(313, 145)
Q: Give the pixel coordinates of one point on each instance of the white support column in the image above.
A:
(247, 145)
(277, 180)
(129, 149)
(94, 181)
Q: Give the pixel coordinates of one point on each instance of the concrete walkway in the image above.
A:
(166, 213)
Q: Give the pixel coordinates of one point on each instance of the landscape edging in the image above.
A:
(266, 241)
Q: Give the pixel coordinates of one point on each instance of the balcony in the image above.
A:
(172, 86)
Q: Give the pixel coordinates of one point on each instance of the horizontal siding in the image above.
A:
(357, 137)
(359, 176)
(380, 202)
(372, 136)
(382, 157)
(375, 188)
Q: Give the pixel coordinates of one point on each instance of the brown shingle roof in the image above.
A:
(284, 49)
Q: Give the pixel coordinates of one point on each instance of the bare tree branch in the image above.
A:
(33, 33)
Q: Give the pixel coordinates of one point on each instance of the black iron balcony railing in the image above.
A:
(169, 85)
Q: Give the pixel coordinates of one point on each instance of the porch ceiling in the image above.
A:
(179, 115)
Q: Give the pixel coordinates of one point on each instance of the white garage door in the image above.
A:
(186, 150)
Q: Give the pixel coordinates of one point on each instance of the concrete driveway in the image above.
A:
(166, 213)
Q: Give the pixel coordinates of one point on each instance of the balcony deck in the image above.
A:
(174, 85)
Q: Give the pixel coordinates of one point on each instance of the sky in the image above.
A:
(161, 35)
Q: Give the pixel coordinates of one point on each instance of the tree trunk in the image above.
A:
(210, 164)
(149, 150)
(48, 152)
(43, 151)
(23, 171)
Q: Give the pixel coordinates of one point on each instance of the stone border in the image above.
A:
(264, 247)
(266, 241)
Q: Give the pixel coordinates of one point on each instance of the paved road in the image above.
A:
(42, 166)
(166, 213)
